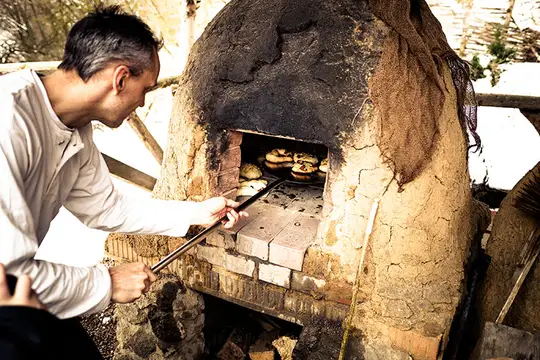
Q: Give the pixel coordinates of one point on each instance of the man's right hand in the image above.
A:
(130, 281)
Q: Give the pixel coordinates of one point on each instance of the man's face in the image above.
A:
(130, 95)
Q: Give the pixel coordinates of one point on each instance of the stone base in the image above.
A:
(166, 323)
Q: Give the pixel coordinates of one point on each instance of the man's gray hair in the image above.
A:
(108, 35)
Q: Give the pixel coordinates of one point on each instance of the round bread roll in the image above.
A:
(250, 171)
(324, 165)
(304, 168)
(300, 176)
(278, 166)
(279, 156)
(251, 187)
(261, 159)
(305, 157)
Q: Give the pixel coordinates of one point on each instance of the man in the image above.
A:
(48, 160)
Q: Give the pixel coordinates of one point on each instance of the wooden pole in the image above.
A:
(148, 140)
(191, 13)
(465, 27)
(508, 17)
(131, 175)
(49, 66)
(43, 66)
(509, 101)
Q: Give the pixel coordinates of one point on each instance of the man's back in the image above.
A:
(40, 150)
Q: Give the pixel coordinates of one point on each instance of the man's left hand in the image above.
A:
(211, 210)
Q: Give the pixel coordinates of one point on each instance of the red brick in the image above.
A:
(419, 346)
(231, 194)
(231, 158)
(234, 138)
(227, 180)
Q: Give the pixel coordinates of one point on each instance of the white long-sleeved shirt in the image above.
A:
(45, 165)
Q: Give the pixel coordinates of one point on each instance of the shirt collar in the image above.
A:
(45, 97)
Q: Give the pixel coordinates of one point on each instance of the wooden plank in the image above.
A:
(41, 66)
(503, 341)
(509, 101)
(146, 137)
(168, 81)
(289, 246)
(129, 173)
(528, 257)
(254, 238)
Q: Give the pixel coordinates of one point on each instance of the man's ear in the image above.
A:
(121, 74)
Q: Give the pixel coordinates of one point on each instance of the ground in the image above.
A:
(102, 330)
(102, 326)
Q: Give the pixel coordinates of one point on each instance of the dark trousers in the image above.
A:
(27, 333)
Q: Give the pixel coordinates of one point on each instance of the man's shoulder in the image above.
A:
(13, 83)
(17, 98)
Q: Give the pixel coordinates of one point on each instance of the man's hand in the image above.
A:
(211, 210)
(23, 296)
(130, 281)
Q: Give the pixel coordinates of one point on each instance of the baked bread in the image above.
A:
(279, 156)
(250, 171)
(305, 157)
(251, 187)
(278, 166)
(301, 177)
(324, 165)
(304, 168)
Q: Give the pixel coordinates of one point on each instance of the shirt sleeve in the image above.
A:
(98, 204)
(66, 291)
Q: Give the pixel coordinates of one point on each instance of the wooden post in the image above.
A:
(148, 140)
(508, 18)
(43, 66)
(509, 101)
(191, 13)
(465, 27)
(131, 175)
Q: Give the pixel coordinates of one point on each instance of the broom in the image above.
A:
(527, 200)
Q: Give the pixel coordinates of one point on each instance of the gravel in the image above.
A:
(102, 326)
(102, 330)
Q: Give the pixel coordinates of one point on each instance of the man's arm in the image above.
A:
(65, 291)
(98, 204)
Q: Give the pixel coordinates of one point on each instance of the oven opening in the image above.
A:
(283, 223)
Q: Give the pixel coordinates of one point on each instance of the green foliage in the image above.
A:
(498, 49)
(477, 70)
(500, 54)
(36, 30)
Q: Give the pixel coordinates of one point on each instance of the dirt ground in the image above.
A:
(102, 330)
(102, 326)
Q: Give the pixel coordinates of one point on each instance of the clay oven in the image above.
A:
(367, 85)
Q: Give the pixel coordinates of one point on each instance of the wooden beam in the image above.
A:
(129, 174)
(42, 66)
(509, 101)
(167, 81)
(50, 66)
(148, 140)
(533, 117)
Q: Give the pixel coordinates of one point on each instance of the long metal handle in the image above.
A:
(203, 234)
